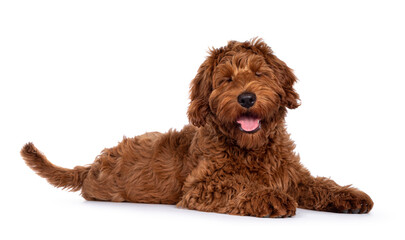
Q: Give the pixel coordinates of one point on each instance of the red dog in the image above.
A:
(235, 158)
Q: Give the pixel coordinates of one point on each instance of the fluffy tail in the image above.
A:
(57, 176)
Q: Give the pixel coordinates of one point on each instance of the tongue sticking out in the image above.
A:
(248, 123)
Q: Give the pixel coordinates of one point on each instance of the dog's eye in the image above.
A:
(226, 80)
(258, 74)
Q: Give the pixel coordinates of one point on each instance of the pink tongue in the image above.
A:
(248, 123)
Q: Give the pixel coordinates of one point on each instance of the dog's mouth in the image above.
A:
(248, 123)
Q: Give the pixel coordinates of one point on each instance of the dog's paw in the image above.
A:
(266, 203)
(281, 205)
(351, 201)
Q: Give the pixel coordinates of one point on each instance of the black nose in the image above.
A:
(247, 99)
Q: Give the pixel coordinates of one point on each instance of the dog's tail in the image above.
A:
(71, 179)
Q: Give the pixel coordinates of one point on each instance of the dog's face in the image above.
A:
(242, 89)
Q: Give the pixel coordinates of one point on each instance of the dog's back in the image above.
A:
(149, 168)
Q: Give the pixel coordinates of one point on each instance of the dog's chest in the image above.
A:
(258, 171)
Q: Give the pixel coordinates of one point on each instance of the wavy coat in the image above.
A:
(213, 164)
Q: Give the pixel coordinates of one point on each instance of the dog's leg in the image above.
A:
(264, 203)
(238, 200)
(324, 194)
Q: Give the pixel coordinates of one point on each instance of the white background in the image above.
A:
(75, 76)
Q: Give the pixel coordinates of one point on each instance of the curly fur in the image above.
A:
(212, 165)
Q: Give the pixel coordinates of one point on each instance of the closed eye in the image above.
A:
(226, 80)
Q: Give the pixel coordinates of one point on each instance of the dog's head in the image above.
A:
(242, 88)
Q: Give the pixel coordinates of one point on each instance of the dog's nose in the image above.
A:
(247, 99)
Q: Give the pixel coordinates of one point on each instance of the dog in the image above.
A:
(235, 157)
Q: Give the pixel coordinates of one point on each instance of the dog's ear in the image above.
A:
(284, 74)
(200, 90)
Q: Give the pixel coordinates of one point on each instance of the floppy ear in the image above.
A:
(284, 74)
(200, 90)
(291, 99)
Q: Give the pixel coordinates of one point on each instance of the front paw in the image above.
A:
(351, 201)
(282, 205)
(268, 203)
